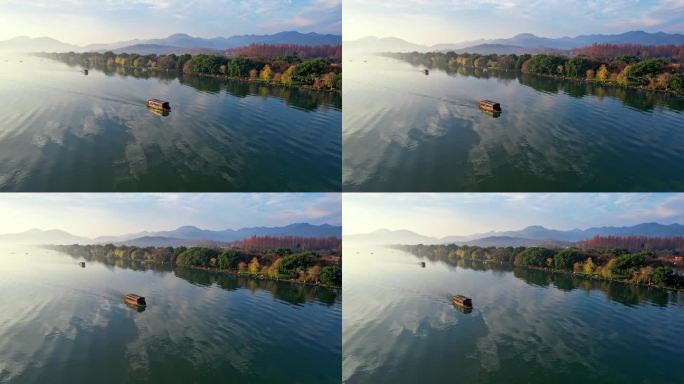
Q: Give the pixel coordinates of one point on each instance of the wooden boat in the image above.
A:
(462, 301)
(490, 106)
(158, 104)
(158, 112)
(134, 299)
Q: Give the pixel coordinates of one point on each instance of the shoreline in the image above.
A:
(247, 275)
(566, 78)
(598, 278)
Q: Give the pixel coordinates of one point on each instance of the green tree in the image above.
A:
(331, 275)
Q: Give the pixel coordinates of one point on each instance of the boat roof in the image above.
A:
(488, 102)
(134, 296)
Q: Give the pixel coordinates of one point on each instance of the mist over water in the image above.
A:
(405, 131)
(64, 131)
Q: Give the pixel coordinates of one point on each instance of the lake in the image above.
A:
(63, 323)
(527, 326)
(404, 131)
(64, 131)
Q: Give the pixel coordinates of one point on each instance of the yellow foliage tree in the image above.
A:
(589, 268)
(242, 267)
(266, 73)
(603, 73)
(288, 75)
(590, 74)
(254, 266)
(623, 76)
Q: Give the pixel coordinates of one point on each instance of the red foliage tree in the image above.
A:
(634, 243)
(290, 242)
(608, 51)
(304, 52)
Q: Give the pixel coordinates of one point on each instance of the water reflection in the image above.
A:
(642, 100)
(527, 326)
(407, 132)
(625, 294)
(66, 132)
(306, 99)
(291, 293)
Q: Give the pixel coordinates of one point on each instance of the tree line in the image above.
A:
(303, 52)
(654, 73)
(643, 267)
(317, 73)
(634, 243)
(279, 264)
(290, 242)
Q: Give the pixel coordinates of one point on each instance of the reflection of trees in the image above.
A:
(292, 293)
(297, 97)
(634, 98)
(622, 293)
(289, 292)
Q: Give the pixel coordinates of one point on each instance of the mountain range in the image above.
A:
(176, 43)
(186, 236)
(521, 43)
(529, 236)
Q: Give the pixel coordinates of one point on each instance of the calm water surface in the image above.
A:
(404, 131)
(399, 325)
(63, 131)
(63, 323)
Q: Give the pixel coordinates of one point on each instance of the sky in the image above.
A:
(85, 22)
(446, 214)
(101, 214)
(432, 22)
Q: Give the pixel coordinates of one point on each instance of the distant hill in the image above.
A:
(37, 236)
(505, 241)
(157, 241)
(530, 236)
(385, 44)
(156, 49)
(176, 43)
(521, 43)
(192, 233)
(185, 236)
(38, 44)
(386, 237)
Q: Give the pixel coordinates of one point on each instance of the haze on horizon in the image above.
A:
(98, 214)
(454, 21)
(462, 214)
(83, 22)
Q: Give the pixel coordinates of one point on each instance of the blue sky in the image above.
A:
(449, 21)
(86, 21)
(105, 214)
(465, 214)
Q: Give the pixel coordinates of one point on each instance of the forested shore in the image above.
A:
(642, 267)
(319, 73)
(320, 267)
(654, 68)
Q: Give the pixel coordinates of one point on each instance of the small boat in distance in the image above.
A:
(422, 264)
(158, 104)
(490, 106)
(85, 72)
(426, 71)
(82, 264)
(134, 299)
(462, 301)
